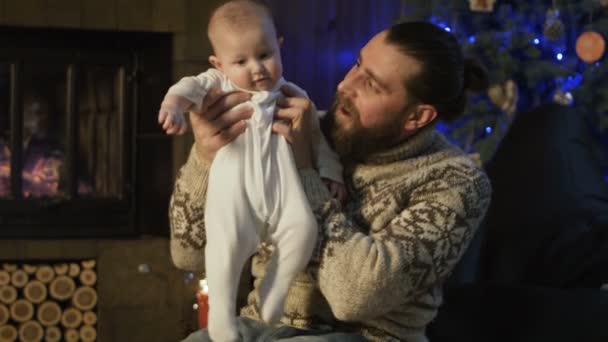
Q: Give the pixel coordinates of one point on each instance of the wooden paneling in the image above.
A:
(41, 249)
(197, 14)
(11, 250)
(168, 16)
(63, 13)
(99, 14)
(24, 12)
(135, 15)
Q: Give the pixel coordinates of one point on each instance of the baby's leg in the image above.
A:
(294, 237)
(231, 239)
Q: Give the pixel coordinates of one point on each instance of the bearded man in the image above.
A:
(415, 200)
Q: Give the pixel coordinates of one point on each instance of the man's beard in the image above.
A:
(356, 143)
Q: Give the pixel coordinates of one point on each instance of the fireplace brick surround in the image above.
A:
(156, 304)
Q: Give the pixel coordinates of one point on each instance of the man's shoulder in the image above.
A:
(446, 154)
(447, 166)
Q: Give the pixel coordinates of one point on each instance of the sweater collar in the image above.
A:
(411, 147)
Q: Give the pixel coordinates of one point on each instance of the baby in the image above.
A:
(254, 192)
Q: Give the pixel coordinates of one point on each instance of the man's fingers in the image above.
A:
(210, 128)
(290, 91)
(231, 117)
(288, 114)
(228, 135)
(224, 103)
(213, 95)
(282, 129)
(300, 102)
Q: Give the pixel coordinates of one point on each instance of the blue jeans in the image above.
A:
(254, 331)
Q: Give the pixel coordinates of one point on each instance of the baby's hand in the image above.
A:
(171, 116)
(172, 121)
(338, 190)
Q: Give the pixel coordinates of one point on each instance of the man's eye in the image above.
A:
(264, 56)
(372, 86)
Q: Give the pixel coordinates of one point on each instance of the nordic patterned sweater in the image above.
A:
(380, 262)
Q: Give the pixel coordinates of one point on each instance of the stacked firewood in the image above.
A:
(50, 302)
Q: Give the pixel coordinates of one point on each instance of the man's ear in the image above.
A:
(215, 62)
(422, 115)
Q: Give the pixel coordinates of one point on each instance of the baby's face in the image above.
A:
(250, 58)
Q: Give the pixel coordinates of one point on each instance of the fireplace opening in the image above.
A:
(44, 138)
(75, 157)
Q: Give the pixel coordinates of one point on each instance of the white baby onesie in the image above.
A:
(254, 195)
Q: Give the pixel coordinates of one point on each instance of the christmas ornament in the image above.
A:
(504, 96)
(482, 5)
(554, 27)
(563, 98)
(590, 46)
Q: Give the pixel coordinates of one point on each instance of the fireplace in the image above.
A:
(80, 153)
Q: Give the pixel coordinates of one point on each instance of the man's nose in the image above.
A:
(346, 86)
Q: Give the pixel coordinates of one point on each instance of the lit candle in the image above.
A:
(202, 298)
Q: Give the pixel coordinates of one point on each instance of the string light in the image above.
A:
(536, 47)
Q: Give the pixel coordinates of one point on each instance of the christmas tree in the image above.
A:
(530, 51)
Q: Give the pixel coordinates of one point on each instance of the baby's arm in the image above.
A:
(185, 95)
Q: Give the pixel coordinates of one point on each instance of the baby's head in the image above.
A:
(245, 44)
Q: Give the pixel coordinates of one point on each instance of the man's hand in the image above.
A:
(218, 123)
(337, 190)
(292, 121)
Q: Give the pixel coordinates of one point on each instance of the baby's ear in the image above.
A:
(215, 62)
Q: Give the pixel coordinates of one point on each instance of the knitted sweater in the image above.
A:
(380, 261)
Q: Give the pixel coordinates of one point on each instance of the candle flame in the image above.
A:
(202, 284)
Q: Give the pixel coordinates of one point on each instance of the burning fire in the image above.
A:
(41, 175)
(5, 171)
